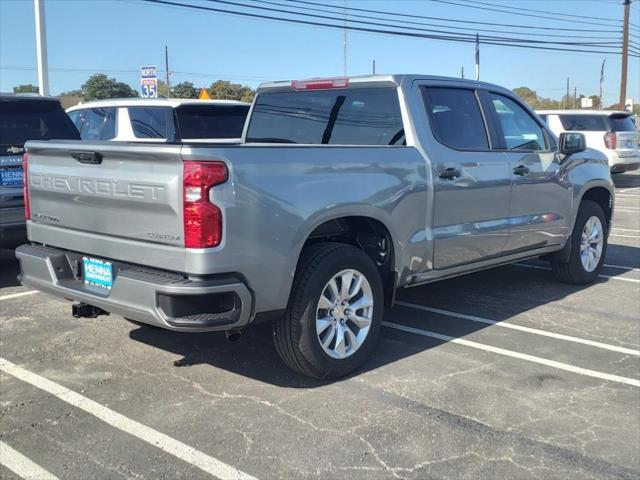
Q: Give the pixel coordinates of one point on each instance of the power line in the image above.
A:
(571, 15)
(445, 32)
(409, 22)
(452, 38)
(471, 22)
(450, 2)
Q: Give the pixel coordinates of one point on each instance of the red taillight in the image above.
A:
(25, 179)
(202, 219)
(320, 84)
(610, 140)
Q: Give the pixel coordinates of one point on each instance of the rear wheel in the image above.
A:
(335, 312)
(588, 249)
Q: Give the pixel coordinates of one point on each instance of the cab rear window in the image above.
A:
(364, 116)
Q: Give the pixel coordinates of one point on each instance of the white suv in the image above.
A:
(611, 132)
(142, 120)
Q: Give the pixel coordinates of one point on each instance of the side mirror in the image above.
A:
(572, 142)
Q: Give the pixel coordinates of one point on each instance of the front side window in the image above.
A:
(519, 128)
(152, 122)
(363, 116)
(455, 118)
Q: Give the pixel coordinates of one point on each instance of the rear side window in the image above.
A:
(211, 121)
(456, 119)
(365, 116)
(96, 123)
(22, 120)
(519, 128)
(588, 123)
(621, 123)
(152, 122)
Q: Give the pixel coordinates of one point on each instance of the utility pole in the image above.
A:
(575, 97)
(625, 54)
(462, 73)
(566, 98)
(344, 6)
(374, 66)
(41, 48)
(166, 66)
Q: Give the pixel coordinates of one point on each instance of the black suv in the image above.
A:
(22, 118)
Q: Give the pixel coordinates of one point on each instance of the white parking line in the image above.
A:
(559, 336)
(630, 189)
(627, 210)
(610, 277)
(16, 295)
(626, 229)
(522, 356)
(631, 269)
(21, 465)
(623, 236)
(164, 442)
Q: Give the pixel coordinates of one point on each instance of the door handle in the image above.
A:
(521, 170)
(450, 173)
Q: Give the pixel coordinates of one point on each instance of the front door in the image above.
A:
(472, 183)
(541, 189)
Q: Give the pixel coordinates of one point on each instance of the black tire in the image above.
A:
(572, 271)
(294, 334)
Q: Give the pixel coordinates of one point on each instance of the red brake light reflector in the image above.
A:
(320, 84)
(202, 220)
(25, 188)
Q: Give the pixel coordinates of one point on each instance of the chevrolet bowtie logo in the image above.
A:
(15, 150)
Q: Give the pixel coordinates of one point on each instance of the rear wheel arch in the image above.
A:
(367, 233)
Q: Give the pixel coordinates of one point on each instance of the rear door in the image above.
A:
(472, 182)
(541, 198)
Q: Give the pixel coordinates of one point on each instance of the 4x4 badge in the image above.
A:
(15, 150)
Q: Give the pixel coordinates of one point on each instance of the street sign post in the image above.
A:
(148, 82)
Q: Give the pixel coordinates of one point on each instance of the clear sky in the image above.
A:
(118, 36)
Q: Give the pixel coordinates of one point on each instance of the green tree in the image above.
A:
(26, 88)
(225, 90)
(185, 90)
(596, 100)
(163, 89)
(99, 86)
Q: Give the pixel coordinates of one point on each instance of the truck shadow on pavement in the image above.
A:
(9, 269)
(498, 294)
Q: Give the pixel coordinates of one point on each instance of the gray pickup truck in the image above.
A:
(342, 191)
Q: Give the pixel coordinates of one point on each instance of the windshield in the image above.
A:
(211, 121)
(32, 119)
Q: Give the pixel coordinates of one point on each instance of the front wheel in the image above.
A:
(335, 312)
(588, 248)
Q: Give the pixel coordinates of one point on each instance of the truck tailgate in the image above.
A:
(121, 190)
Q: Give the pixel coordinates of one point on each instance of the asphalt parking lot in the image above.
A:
(500, 374)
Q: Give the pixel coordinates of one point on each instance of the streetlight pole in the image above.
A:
(41, 48)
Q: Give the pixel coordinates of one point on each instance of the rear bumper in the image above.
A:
(621, 164)
(164, 299)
